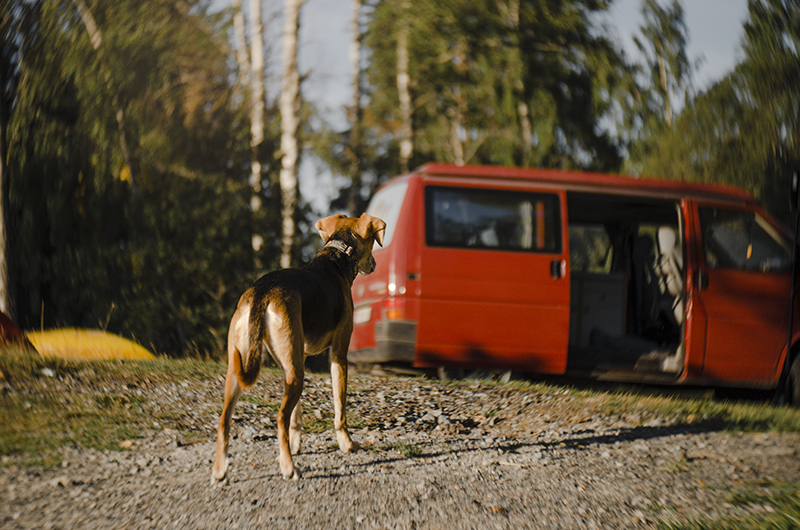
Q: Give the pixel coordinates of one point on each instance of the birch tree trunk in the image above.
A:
(290, 124)
(662, 74)
(456, 126)
(406, 127)
(96, 37)
(256, 109)
(354, 114)
(242, 57)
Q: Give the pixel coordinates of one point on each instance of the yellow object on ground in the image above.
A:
(86, 345)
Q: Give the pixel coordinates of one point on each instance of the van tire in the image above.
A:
(793, 389)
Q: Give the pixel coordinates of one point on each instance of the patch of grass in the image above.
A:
(266, 407)
(674, 405)
(314, 426)
(19, 366)
(42, 410)
(769, 507)
(696, 410)
(408, 451)
(35, 426)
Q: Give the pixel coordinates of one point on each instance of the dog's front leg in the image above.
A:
(339, 383)
(232, 392)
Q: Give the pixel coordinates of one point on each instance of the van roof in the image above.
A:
(578, 180)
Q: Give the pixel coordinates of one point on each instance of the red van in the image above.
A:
(558, 272)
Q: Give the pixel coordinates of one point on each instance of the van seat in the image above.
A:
(669, 268)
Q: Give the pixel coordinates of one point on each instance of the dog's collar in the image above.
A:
(340, 245)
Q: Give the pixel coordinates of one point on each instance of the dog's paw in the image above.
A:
(354, 447)
(346, 444)
(221, 481)
(294, 444)
(220, 476)
(293, 475)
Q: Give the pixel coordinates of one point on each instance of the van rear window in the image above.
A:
(492, 219)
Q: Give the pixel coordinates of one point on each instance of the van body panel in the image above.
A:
(451, 289)
(695, 331)
(743, 301)
(487, 306)
(474, 310)
(734, 304)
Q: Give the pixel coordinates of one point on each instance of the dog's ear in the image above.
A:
(327, 226)
(371, 227)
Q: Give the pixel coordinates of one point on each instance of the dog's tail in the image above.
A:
(247, 370)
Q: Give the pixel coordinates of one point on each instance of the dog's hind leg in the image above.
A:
(232, 392)
(286, 345)
(339, 384)
(292, 389)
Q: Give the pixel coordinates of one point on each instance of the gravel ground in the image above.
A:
(471, 455)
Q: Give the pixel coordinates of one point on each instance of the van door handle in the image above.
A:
(557, 269)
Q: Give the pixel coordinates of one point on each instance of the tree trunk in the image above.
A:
(5, 294)
(406, 127)
(510, 13)
(242, 57)
(662, 72)
(256, 109)
(354, 114)
(290, 124)
(456, 126)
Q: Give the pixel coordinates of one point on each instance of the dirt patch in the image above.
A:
(467, 455)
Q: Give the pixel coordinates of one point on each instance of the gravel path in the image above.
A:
(435, 456)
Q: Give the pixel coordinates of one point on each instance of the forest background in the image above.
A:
(148, 177)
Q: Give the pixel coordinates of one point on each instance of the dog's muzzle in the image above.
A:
(369, 268)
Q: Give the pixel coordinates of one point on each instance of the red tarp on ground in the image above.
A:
(10, 334)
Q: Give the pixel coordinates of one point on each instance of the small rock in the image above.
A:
(62, 481)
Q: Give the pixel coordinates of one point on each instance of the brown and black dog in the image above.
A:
(294, 313)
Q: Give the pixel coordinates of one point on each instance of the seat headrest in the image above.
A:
(666, 239)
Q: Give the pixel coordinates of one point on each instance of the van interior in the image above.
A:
(627, 284)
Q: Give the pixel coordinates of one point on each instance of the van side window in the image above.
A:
(741, 239)
(492, 219)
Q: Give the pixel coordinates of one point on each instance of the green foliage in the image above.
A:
(745, 129)
(153, 244)
(762, 505)
(482, 72)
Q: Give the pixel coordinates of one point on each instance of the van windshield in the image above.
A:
(492, 219)
(386, 205)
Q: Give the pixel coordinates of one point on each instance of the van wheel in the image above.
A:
(794, 382)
